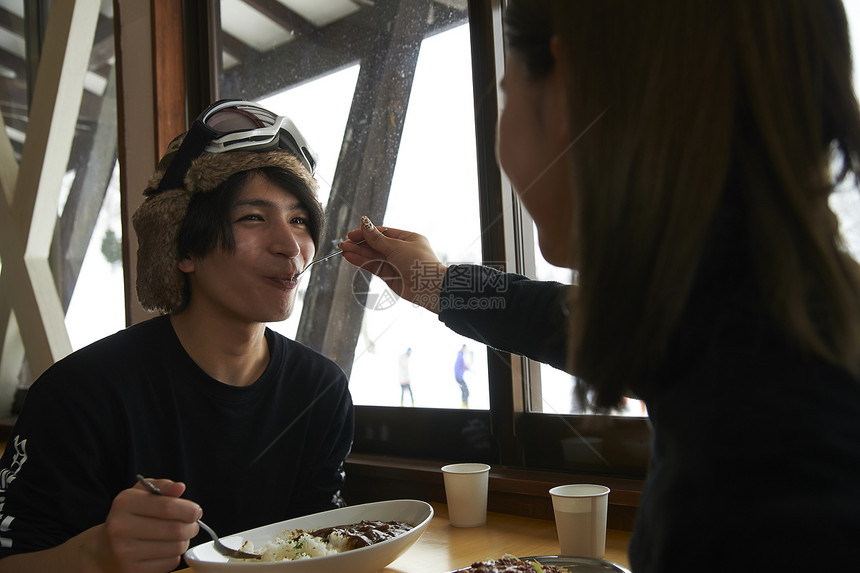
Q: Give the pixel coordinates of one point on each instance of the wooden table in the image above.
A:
(443, 548)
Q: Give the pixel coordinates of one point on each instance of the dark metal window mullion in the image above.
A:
(485, 30)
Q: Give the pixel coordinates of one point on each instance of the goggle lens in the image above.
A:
(233, 119)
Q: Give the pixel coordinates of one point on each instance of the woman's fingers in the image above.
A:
(403, 259)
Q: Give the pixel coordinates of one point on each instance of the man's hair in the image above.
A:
(208, 225)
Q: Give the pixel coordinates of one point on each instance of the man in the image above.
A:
(248, 427)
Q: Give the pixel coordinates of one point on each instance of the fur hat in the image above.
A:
(161, 286)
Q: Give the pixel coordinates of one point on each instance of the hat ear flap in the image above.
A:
(160, 284)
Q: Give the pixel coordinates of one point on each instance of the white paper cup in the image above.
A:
(466, 491)
(580, 519)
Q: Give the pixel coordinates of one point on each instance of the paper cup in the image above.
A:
(580, 519)
(466, 491)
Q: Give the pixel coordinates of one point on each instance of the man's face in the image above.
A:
(273, 243)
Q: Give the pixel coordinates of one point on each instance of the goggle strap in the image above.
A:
(192, 146)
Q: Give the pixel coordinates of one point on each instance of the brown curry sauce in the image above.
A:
(365, 532)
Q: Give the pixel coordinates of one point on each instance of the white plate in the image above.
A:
(204, 559)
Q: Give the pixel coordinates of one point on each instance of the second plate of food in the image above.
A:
(577, 564)
(205, 559)
(509, 563)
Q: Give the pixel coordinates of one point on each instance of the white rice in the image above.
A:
(293, 545)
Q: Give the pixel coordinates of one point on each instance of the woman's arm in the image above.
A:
(506, 311)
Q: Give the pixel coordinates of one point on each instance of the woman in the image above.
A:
(680, 155)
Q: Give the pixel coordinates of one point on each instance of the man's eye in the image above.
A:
(252, 217)
(299, 220)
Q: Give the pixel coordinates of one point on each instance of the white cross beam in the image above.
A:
(31, 192)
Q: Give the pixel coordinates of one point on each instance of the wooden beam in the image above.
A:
(103, 47)
(138, 147)
(12, 22)
(168, 72)
(14, 105)
(238, 49)
(332, 314)
(15, 63)
(283, 17)
(334, 47)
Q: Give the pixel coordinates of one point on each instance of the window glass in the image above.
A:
(846, 204)
(13, 73)
(13, 106)
(87, 250)
(99, 288)
(846, 201)
(434, 192)
(555, 392)
(430, 172)
(324, 132)
(86, 254)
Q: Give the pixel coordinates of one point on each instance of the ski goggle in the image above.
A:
(235, 125)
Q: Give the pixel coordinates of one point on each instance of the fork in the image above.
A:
(219, 547)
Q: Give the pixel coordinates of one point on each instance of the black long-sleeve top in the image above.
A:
(135, 402)
(755, 457)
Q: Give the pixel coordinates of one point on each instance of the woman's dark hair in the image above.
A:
(528, 29)
(692, 107)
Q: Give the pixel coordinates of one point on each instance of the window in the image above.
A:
(66, 214)
(385, 92)
(552, 391)
(433, 191)
(403, 93)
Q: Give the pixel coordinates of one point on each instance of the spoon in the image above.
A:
(312, 263)
(327, 257)
(219, 547)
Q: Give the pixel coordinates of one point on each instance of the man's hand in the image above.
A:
(148, 533)
(143, 533)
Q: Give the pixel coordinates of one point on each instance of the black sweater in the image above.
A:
(135, 402)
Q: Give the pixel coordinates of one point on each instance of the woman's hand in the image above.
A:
(404, 260)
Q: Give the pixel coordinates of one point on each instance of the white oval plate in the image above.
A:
(204, 559)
